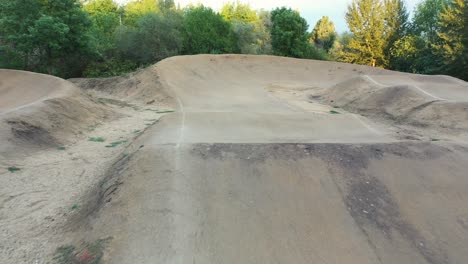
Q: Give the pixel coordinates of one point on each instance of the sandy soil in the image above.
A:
(58, 165)
(266, 160)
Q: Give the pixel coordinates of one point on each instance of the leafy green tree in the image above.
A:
(324, 34)
(426, 18)
(424, 28)
(406, 54)
(50, 36)
(366, 23)
(166, 6)
(75, 51)
(450, 48)
(246, 37)
(158, 37)
(396, 26)
(238, 12)
(251, 30)
(16, 17)
(264, 32)
(105, 16)
(207, 32)
(338, 48)
(288, 33)
(100, 6)
(465, 42)
(138, 8)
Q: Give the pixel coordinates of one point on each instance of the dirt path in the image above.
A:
(249, 171)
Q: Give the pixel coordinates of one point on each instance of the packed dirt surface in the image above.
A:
(265, 160)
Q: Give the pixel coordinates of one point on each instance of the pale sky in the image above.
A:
(311, 10)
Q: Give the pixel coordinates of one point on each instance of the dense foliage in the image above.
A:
(71, 38)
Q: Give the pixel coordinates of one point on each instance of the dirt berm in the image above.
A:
(39, 111)
(263, 160)
(435, 102)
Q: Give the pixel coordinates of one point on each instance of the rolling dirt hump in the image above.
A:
(403, 102)
(38, 111)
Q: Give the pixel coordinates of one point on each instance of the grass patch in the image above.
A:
(435, 139)
(336, 106)
(89, 253)
(165, 111)
(75, 207)
(159, 111)
(116, 143)
(117, 103)
(13, 169)
(136, 131)
(61, 148)
(96, 139)
(334, 112)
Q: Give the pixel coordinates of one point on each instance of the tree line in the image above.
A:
(73, 38)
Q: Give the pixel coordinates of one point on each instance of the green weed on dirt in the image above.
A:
(334, 112)
(116, 143)
(88, 253)
(96, 139)
(13, 169)
(61, 148)
(160, 111)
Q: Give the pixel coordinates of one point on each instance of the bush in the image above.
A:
(206, 32)
(155, 37)
(109, 68)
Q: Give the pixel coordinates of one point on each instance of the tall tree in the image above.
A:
(105, 15)
(452, 30)
(407, 54)
(426, 18)
(364, 18)
(135, 9)
(100, 6)
(396, 25)
(465, 42)
(251, 30)
(324, 34)
(238, 12)
(50, 36)
(16, 17)
(166, 6)
(288, 33)
(207, 32)
(156, 37)
(69, 57)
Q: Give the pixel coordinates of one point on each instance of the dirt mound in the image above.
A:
(42, 111)
(405, 102)
(143, 86)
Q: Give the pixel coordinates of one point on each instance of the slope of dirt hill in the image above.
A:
(39, 111)
(143, 86)
(434, 102)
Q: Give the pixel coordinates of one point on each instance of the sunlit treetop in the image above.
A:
(238, 12)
